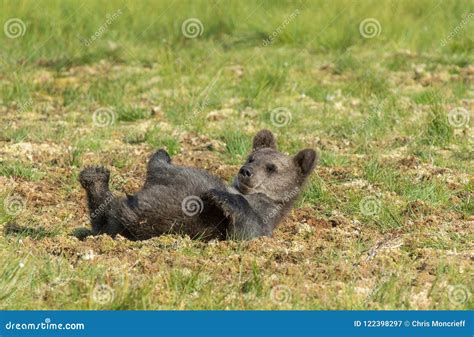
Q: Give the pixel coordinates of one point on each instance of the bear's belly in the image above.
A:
(175, 207)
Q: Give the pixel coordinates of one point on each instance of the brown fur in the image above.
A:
(262, 193)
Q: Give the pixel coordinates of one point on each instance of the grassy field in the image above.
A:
(382, 89)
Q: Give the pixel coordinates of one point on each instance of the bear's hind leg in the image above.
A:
(158, 158)
(157, 165)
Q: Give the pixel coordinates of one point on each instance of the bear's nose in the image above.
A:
(245, 172)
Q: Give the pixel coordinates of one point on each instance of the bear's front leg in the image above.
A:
(244, 223)
(95, 180)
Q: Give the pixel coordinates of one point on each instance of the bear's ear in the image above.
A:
(264, 138)
(306, 160)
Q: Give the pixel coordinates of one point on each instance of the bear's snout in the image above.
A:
(246, 172)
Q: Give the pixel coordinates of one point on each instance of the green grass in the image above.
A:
(19, 170)
(158, 139)
(237, 146)
(376, 109)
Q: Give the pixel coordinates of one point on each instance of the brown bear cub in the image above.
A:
(185, 200)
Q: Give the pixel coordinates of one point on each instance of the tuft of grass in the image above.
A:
(437, 130)
(20, 170)
(238, 145)
(157, 139)
(428, 97)
(317, 194)
(35, 233)
(129, 114)
(254, 283)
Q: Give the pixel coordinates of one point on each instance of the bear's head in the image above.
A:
(275, 174)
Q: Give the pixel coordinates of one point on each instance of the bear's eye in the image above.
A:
(250, 160)
(271, 168)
